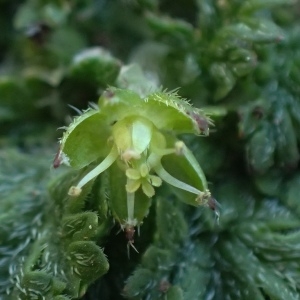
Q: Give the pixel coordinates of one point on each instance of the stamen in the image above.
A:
(129, 154)
(167, 151)
(179, 147)
(106, 163)
(165, 176)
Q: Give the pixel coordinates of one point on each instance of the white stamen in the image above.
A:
(165, 176)
(106, 163)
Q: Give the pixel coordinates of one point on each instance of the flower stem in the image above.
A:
(130, 207)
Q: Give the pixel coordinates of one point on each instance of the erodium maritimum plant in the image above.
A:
(127, 138)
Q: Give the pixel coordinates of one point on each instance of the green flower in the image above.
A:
(136, 134)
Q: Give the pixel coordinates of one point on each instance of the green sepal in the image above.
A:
(85, 139)
(116, 104)
(118, 198)
(95, 66)
(87, 260)
(79, 227)
(165, 109)
(170, 112)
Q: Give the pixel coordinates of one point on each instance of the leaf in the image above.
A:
(88, 260)
(95, 66)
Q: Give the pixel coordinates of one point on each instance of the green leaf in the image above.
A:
(88, 261)
(95, 66)
(224, 79)
(80, 226)
(260, 150)
(251, 6)
(138, 284)
(174, 293)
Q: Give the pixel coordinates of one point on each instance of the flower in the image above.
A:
(136, 134)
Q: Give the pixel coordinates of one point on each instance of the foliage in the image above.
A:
(126, 67)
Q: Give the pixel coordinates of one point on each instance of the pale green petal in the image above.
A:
(144, 170)
(133, 174)
(148, 189)
(132, 185)
(155, 180)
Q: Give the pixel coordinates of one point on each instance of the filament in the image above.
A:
(106, 163)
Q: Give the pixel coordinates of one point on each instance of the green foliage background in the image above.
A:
(239, 59)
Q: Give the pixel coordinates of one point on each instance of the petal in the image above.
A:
(155, 180)
(144, 170)
(148, 189)
(133, 174)
(132, 185)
